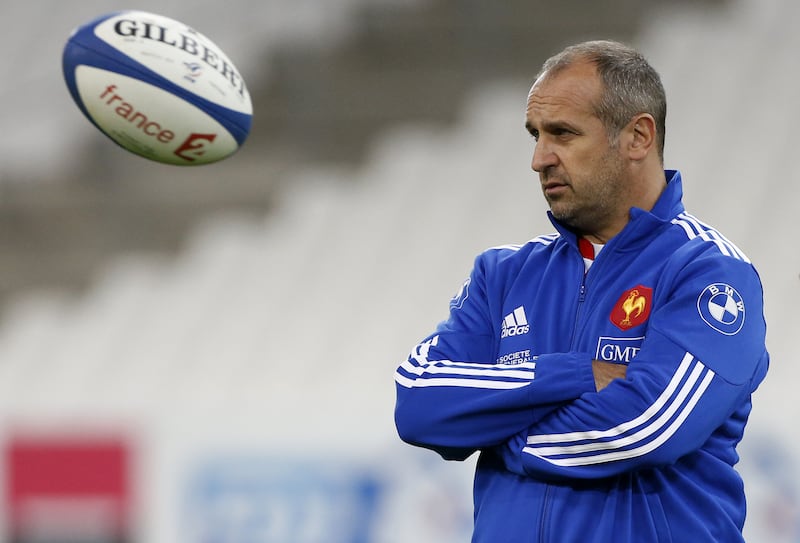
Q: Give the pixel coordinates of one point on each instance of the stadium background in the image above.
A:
(206, 354)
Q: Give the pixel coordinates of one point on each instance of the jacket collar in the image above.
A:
(642, 223)
(670, 203)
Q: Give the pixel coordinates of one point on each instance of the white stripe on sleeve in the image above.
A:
(418, 371)
(630, 439)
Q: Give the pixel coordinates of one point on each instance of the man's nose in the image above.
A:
(543, 156)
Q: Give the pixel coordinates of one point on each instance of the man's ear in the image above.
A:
(642, 130)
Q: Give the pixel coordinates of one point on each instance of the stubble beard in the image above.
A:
(595, 206)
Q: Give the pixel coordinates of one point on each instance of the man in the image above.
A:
(603, 372)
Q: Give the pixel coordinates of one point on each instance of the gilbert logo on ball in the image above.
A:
(158, 88)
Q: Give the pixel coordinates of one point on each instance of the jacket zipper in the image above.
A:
(545, 514)
(548, 488)
(582, 292)
(578, 310)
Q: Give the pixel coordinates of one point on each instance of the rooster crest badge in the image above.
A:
(632, 308)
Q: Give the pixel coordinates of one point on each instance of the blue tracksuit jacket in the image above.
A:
(648, 459)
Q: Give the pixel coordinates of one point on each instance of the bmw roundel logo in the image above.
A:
(722, 308)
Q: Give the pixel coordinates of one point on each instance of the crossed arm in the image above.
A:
(456, 407)
(567, 415)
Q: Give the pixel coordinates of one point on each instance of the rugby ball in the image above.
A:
(157, 88)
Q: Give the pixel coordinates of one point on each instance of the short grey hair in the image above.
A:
(631, 85)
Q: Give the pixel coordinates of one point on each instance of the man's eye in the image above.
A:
(535, 134)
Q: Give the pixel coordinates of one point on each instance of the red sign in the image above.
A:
(632, 308)
(68, 489)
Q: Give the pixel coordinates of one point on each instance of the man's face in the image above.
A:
(581, 172)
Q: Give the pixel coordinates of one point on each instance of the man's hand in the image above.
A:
(605, 372)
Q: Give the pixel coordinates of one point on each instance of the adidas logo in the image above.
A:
(515, 323)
